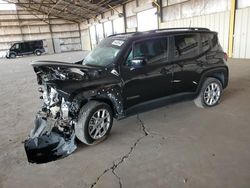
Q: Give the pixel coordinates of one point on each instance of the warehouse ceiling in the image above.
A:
(72, 10)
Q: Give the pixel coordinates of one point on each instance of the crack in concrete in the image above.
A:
(126, 156)
(146, 132)
(118, 177)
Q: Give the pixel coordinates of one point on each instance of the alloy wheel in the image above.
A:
(99, 124)
(212, 94)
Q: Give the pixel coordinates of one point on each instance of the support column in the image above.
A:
(51, 36)
(231, 28)
(125, 17)
(80, 34)
(20, 26)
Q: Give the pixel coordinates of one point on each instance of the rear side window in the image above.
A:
(214, 39)
(186, 46)
(153, 50)
(205, 42)
(208, 41)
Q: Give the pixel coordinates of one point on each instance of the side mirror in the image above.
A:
(138, 62)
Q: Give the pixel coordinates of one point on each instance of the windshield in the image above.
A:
(104, 53)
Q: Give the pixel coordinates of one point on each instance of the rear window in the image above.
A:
(186, 46)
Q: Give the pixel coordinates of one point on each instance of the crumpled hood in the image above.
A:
(70, 77)
(60, 67)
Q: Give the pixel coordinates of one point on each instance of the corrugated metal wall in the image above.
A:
(217, 22)
(242, 34)
(212, 14)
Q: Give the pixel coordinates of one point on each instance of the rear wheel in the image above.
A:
(210, 94)
(94, 123)
(38, 52)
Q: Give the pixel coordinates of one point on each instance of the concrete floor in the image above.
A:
(176, 146)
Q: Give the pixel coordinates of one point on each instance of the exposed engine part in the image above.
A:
(65, 110)
(52, 136)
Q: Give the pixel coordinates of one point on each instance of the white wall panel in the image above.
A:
(241, 35)
(150, 16)
(85, 40)
(243, 3)
(218, 22)
(118, 25)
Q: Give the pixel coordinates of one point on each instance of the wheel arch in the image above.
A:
(110, 96)
(220, 73)
(13, 52)
(37, 50)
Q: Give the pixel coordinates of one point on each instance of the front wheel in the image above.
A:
(12, 56)
(210, 94)
(94, 123)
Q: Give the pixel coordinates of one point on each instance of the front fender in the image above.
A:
(111, 95)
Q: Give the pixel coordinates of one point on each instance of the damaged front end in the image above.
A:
(53, 135)
(66, 88)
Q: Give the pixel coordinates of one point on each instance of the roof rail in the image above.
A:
(165, 29)
(121, 34)
(182, 28)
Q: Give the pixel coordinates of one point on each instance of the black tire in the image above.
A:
(38, 52)
(12, 56)
(82, 127)
(201, 101)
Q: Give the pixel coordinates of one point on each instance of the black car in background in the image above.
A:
(26, 48)
(123, 75)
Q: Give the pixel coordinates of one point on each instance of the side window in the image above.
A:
(205, 42)
(23, 46)
(129, 58)
(31, 45)
(186, 46)
(153, 50)
(208, 40)
(16, 46)
(214, 39)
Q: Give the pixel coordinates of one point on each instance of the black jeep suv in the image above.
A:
(123, 74)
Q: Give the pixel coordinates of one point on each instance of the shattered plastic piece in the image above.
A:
(48, 148)
(45, 145)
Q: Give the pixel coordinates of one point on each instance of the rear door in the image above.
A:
(186, 62)
(151, 81)
(24, 48)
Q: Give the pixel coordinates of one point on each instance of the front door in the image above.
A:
(16, 48)
(151, 81)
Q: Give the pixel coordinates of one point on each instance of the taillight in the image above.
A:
(225, 56)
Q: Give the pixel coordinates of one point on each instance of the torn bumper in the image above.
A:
(49, 146)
